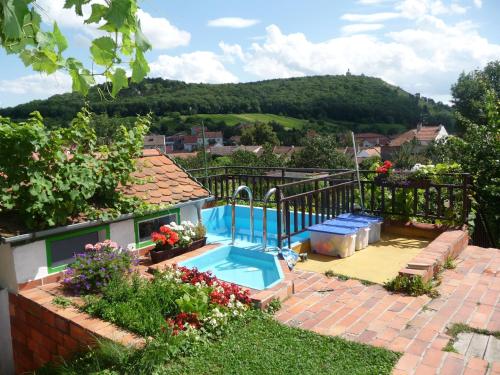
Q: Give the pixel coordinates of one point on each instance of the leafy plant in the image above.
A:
(21, 33)
(449, 264)
(413, 286)
(94, 269)
(274, 306)
(199, 231)
(61, 302)
(50, 178)
(457, 328)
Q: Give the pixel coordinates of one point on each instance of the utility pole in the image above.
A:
(204, 147)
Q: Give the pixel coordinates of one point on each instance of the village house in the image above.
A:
(424, 135)
(158, 142)
(371, 139)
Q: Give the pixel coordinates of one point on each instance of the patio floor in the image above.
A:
(379, 262)
(415, 326)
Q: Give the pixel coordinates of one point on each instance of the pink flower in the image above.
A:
(89, 247)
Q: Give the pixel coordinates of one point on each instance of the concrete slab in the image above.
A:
(477, 346)
(379, 262)
(463, 342)
(493, 350)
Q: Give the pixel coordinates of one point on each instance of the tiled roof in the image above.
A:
(424, 133)
(211, 135)
(165, 182)
(190, 139)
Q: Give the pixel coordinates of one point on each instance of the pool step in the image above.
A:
(282, 291)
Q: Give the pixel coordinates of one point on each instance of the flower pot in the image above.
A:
(158, 256)
(198, 243)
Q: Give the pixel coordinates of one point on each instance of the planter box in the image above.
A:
(158, 256)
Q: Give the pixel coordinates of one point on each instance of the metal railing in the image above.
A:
(306, 196)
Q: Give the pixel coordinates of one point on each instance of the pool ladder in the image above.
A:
(233, 212)
(264, 218)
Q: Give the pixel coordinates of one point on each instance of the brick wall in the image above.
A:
(43, 332)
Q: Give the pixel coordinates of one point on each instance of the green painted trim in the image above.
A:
(63, 236)
(156, 215)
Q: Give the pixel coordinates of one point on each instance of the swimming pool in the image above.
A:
(243, 266)
(217, 220)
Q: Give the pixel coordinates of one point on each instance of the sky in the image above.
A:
(419, 45)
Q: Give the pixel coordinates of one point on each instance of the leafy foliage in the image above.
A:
(49, 178)
(413, 286)
(477, 152)
(96, 267)
(259, 134)
(21, 33)
(471, 91)
(333, 102)
(321, 152)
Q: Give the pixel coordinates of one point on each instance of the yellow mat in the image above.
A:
(377, 263)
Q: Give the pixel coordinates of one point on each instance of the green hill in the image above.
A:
(345, 99)
(235, 119)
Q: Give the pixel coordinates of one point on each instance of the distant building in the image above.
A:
(236, 139)
(211, 138)
(286, 152)
(424, 135)
(155, 141)
(220, 150)
(371, 139)
(190, 143)
(367, 153)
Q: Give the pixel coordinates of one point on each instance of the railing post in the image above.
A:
(278, 217)
(226, 179)
(465, 208)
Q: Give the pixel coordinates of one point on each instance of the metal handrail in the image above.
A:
(233, 212)
(264, 218)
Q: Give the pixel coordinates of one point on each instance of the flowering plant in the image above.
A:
(165, 239)
(385, 168)
(221, 301)
(185, 232)
(96, 267)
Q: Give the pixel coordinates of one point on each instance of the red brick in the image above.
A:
(62, 324)
(70, 343)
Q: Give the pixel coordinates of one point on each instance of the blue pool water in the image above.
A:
(218, 223)
(243, 266)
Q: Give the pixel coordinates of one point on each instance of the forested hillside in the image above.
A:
(348, 98)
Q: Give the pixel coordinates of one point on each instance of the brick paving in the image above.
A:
(415, 326)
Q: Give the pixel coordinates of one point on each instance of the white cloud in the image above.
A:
(232, 22)
(373, 17)
(200, 66)
(38, 85)
(478, 3)
(161, 33)
(361, 27)
(231, 51)
(426, 57)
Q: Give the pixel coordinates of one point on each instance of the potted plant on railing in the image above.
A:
(383, 170)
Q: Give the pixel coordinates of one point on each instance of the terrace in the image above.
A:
(424, 231)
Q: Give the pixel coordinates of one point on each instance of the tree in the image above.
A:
(321, 152)
(259, 134)
(49, 177)
(469, 93)
(477, 152)
(21, 33)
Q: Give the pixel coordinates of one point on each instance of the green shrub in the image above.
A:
(413, 286)
(274, 306)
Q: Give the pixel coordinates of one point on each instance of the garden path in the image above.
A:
(415, 326)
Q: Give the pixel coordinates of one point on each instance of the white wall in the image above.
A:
(6, 357)
(7, 269)
(189, 212)
(122, 232)
(30, 261)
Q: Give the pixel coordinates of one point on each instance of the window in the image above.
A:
(146, 225)
(61, 248)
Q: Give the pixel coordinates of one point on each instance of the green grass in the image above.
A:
(264, 346)
(235, 119)
(342, 277)
(256, 345)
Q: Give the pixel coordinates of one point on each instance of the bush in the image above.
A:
(96, 267)
(177, 301)
(413, 286)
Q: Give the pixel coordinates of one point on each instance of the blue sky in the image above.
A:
(419, 45)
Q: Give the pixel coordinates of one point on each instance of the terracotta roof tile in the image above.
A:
(167, 182)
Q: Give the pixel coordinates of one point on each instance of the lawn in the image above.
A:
(234, 119)
(264, 346)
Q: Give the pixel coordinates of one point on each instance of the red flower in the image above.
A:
(182, 321)
(387, 164)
